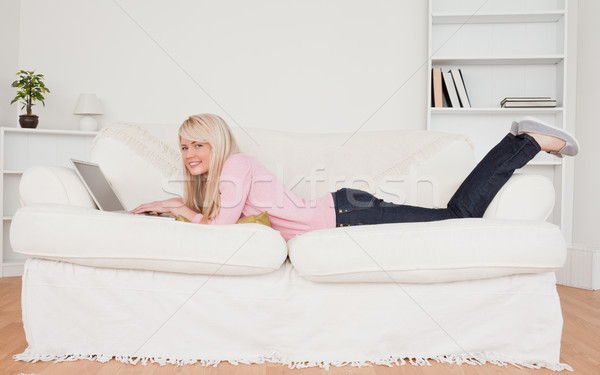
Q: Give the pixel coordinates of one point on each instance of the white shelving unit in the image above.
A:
(21, 149)
(503, 48)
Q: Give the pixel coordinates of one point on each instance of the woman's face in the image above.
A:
(196, 156)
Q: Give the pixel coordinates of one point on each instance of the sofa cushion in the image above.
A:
(53, 184)
(523, 197)
(107, 239)
(152, 170)
(438, 251)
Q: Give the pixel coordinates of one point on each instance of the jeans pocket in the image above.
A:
(352, 200)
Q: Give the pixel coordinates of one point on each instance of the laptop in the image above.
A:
(102, 192)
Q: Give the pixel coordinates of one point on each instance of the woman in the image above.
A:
(223, 184)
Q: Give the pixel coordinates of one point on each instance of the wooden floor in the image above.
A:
(580, 347)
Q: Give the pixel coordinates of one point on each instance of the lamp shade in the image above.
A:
(88, 104)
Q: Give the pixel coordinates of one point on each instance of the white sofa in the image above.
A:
(99, 285)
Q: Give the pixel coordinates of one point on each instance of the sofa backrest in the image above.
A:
(416, 167)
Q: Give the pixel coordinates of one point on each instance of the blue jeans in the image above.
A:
(358, 207)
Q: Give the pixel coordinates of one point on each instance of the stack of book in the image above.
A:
(528, 102)
(449, 89)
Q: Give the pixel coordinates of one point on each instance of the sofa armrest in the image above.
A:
(52, 184)
(523, 197)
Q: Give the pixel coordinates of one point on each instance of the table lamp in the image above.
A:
(88, 105)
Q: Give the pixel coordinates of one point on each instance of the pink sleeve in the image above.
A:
(234, 187)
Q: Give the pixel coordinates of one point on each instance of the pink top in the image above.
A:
(248, 188)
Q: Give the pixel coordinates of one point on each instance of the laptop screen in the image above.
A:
(98, 186)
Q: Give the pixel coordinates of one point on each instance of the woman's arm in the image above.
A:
(162, 207)
(173, 205)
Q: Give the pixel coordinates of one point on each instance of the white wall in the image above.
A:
(586, 207)
(9, 45)
(302, 66)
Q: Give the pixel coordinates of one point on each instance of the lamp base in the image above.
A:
(88, 123)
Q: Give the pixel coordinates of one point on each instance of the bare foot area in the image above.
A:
(548, 143)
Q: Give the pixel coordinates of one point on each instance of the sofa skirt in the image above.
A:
(76, 312)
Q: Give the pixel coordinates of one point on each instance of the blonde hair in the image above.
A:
(201, 194)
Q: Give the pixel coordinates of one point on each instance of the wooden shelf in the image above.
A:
(465, 18)
(501, 60)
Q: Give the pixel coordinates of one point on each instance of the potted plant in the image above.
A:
(31, 88)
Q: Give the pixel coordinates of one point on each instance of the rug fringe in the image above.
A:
(475, 359)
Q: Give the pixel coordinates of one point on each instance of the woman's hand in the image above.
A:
(161, 207)
(173, 205)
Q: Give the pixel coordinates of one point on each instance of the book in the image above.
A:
(450, 90)
(526, 98)
(460, 88)
(528, 102)
(532, 104)
(436, 81)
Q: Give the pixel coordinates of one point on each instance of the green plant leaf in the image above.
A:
(30, 88)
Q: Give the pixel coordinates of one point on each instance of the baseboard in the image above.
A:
(10, 269)
(582, 268)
